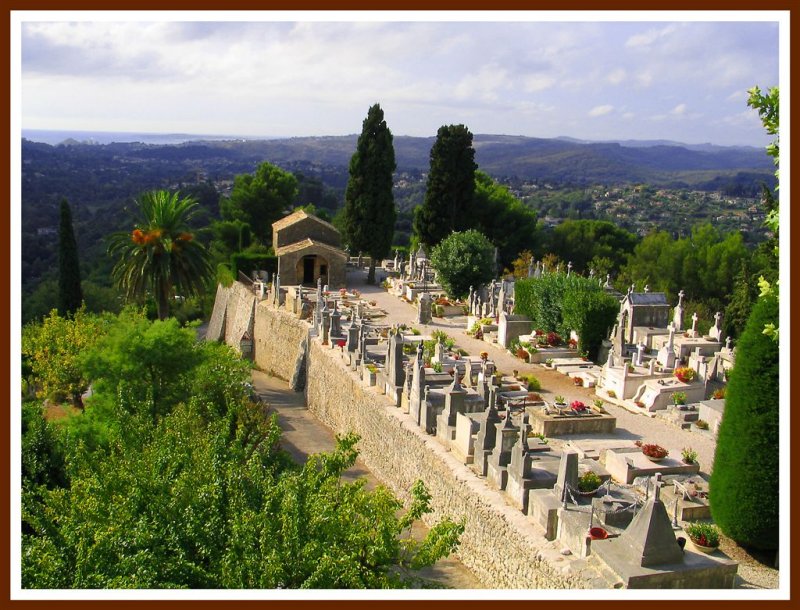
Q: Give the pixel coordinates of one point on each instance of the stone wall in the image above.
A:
(278, 340)
(502, 546)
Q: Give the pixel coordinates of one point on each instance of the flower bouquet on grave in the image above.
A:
(553, 339)
(484, 356)
(685, 374)
(572, 343)
(656, 453)
(578, 407)
(577, 381)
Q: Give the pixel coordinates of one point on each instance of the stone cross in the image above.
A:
(671, 343)
(608, 281)
(694, 323)
(591, 273)
(610, 359)
(569, 268)
(681, 294)
(639, 353)
(728, 343)
(647, 288)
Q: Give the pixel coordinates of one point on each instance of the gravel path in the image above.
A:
(755, 572)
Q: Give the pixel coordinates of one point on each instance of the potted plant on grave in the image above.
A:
(689, 455)
(577, 381)
(522, 354)
(704, 536)
(484, 356)
(685, 374)
(585, 356)
(588, 483)
(572, 343)
(720, 393)
(656, 453)
(678, 398)
(559, 400)
(548, 362)
(599, 406)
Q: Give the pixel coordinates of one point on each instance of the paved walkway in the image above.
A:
(630, 426)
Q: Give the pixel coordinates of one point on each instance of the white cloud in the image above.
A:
(649, 37)
(601, 110)
(617, 76)
(679, 110)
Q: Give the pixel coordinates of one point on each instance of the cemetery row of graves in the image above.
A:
(632, 505)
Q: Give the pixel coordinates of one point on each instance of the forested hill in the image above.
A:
(558, 161)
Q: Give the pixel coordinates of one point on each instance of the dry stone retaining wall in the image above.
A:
(500, 545)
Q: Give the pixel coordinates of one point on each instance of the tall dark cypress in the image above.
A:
(451, 187)
(70, 295)
(369, 210)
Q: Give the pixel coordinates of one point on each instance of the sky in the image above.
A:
(679, 80)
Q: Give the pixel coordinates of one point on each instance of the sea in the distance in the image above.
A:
(54, 137)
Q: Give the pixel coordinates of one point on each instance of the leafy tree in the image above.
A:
(150, 361)
(450, 189)
(582, 241)
(744, 488)
(768, 107)
(55, 348)
(369, 210)
(42, 451)
(462, 260)
(495, 210)
(260, 199)
(160, 255)
(70, 295)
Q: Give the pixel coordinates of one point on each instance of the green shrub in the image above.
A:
(246, 262)
(591, 313)
(534, 385)
(743, 489)
(589, 481)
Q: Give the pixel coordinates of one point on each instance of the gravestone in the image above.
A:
(424, 309)
(485, 440)
(505, 437)
(716, 330)
(567, 475)
(677, 318)
(454, 397)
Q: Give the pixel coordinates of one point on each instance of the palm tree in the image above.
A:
(160, 255)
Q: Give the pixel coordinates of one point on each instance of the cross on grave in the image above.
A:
(569, 268)
(681, 294)
(608, 281)
(728, 343)
(647, 288)
(591, 273)
(694, 323)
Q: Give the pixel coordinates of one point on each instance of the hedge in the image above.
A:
(542, 299)
(743, 489)
(246, 262)
(591, 314)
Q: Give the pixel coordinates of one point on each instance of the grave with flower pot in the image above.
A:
(553, 422)
(647, 553)
(625, 464)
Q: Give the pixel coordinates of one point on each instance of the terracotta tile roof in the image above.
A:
(297, 217)
(309, 243)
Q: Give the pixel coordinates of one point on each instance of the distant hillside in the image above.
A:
(550, 160)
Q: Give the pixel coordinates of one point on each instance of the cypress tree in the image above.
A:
(70, 295)
(744, 484)
(369, 210)
(451, 187)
